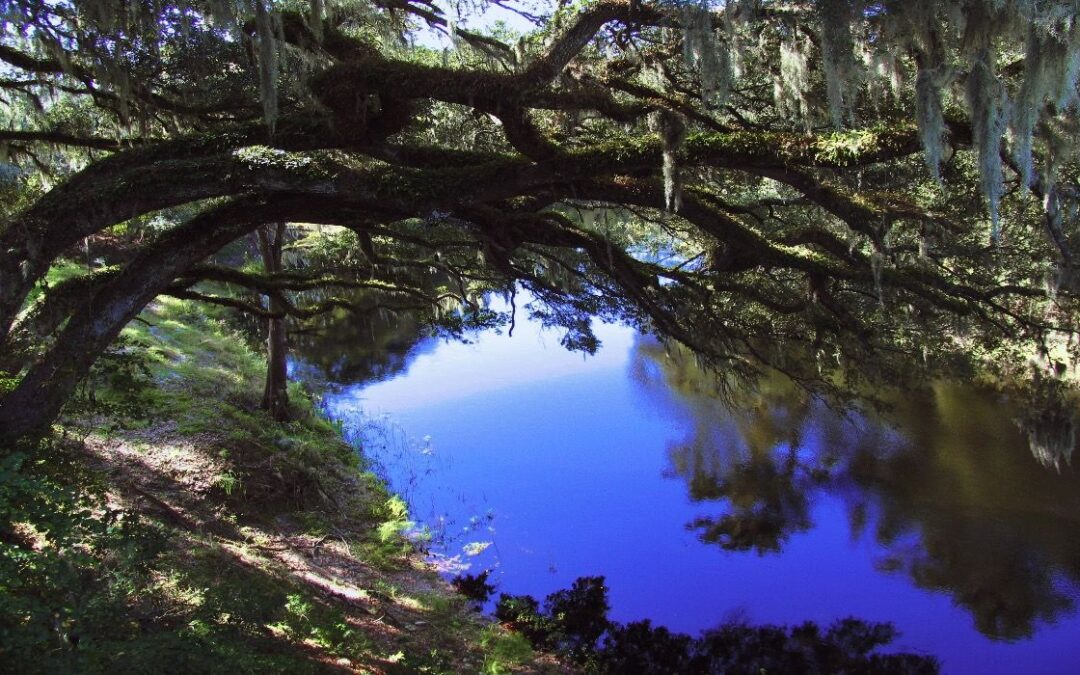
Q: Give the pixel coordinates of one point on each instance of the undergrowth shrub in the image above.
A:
(68, 563)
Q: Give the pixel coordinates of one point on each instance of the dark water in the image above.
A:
(548, 466)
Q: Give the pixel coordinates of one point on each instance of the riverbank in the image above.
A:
(170, 525)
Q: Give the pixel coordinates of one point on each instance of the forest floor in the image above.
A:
(214, 539)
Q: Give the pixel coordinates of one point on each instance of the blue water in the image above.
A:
(564, 466)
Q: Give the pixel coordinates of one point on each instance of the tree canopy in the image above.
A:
(890, 183)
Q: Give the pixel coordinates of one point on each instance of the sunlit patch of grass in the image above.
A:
(504, 650)
(183, 598)
(320, 625)
(61, 270)
(440, 606)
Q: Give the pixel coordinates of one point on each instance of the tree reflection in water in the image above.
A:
(944, 479)
(343, 348)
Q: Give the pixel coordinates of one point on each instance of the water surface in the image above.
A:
(556, 466)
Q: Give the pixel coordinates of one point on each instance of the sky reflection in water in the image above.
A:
(784, 512)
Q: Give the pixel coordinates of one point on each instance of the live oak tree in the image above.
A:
(867, 185)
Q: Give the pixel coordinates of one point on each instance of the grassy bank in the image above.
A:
(171, 526)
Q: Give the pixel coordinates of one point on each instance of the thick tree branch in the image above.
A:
(61, 138)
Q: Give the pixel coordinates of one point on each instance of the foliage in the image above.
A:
(584, 161)
(506, 650)
(574, 621)
(67, 561)
(117, 383)
(708, 198)
(474, 587)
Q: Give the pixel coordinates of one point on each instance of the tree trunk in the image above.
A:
(107, 192)
(49, 382)
(275, 393)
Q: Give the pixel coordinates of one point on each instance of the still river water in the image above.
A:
(545, 466)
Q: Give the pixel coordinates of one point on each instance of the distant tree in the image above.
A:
(849, 180)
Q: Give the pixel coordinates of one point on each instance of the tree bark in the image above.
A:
(126, 184)
(37, 399)
(275, 393)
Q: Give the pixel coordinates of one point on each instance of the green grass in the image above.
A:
(504, 651)
(61, 271)
(140, 593)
